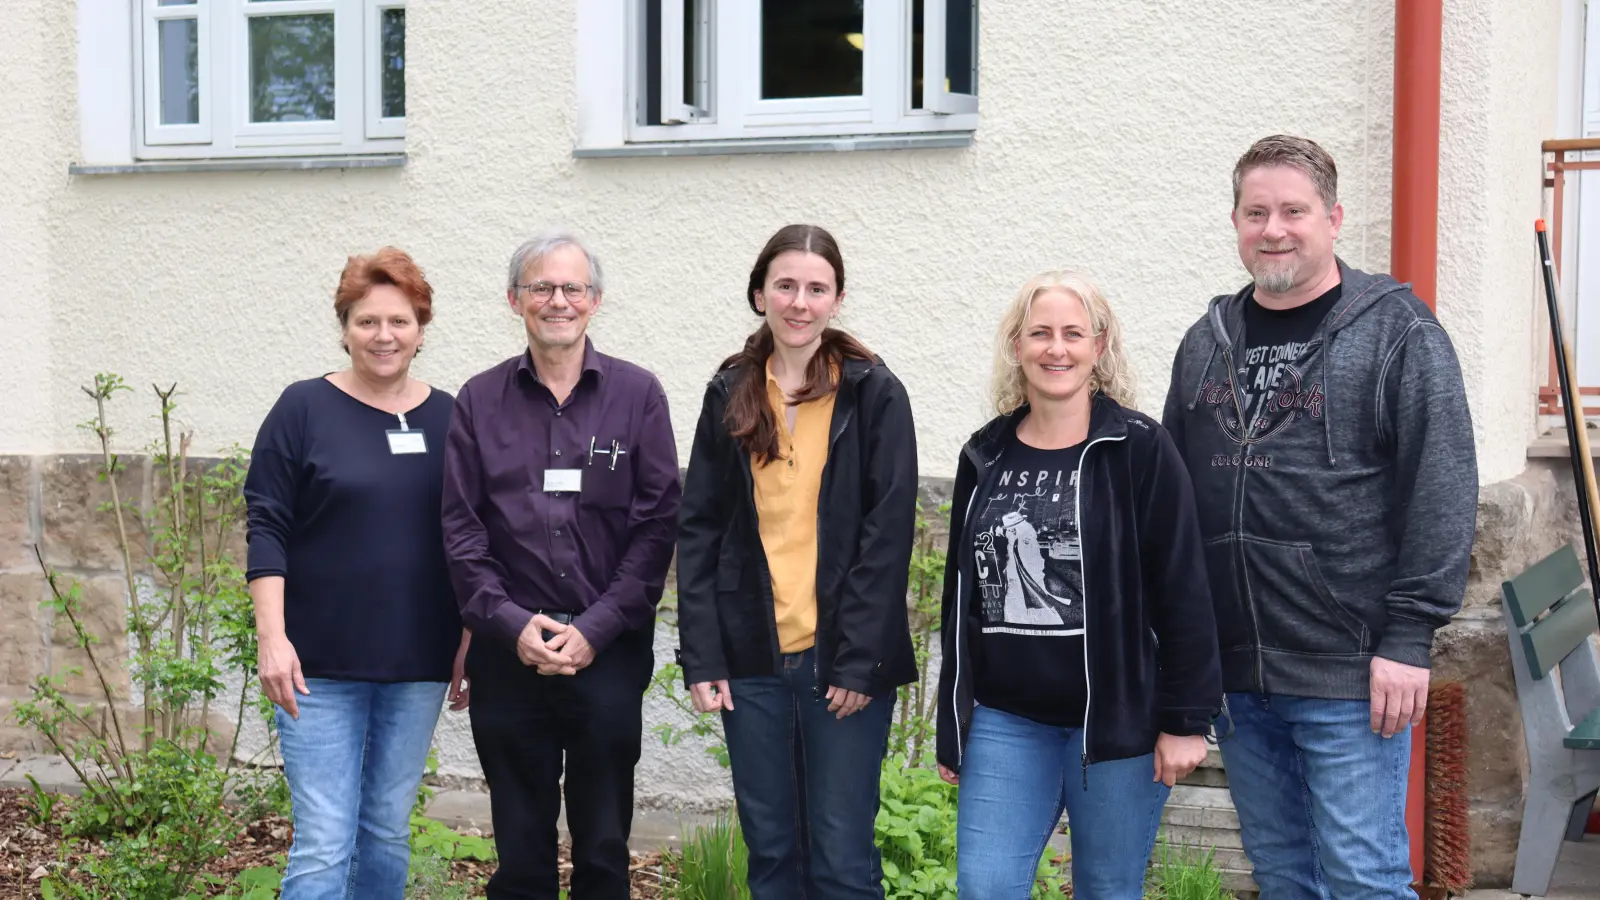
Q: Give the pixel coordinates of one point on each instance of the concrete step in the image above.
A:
(653, 829)
(1200, 797)
(1194, 839)
(1201, 817)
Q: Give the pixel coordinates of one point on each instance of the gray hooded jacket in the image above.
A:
(1339, 525)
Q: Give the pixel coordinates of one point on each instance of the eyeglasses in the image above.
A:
(543, 291)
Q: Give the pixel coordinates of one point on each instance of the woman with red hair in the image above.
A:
(355, 615)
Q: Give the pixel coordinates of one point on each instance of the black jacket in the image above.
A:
(866, 519)
(1148, 630)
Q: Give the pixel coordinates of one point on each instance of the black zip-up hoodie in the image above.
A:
(866, 523)
(1148, 629)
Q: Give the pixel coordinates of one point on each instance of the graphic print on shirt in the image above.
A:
(1274, 393)
(1029, 569)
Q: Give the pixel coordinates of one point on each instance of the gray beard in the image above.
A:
(1276, 281)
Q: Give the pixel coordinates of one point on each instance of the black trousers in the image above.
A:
(526, 725)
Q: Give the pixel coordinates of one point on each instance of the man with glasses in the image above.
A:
(560, 508)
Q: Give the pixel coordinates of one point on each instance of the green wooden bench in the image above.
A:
(1550, 616)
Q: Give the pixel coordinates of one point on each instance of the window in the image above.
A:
(269, 77)
(730, 70)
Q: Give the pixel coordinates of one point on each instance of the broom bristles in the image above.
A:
(1448, 838)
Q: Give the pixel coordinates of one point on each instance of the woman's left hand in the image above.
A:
(1178, 756)
(844, 703)
(460, 690)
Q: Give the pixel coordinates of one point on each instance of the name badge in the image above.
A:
(403, 442)
(562, 480)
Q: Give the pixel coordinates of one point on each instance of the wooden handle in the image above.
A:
(1574, 400)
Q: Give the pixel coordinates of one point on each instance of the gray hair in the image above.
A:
(542, 245)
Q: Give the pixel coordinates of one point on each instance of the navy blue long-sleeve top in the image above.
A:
(354, 529)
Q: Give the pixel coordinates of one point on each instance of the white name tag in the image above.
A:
(401, 442)
(563, 480)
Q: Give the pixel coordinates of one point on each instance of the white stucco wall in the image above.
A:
(35, 135)
(1496, 57)
(1107, 139)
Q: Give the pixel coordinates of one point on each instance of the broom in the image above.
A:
(1448, 836)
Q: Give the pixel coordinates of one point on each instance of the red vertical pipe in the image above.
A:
(1414, 251)
(1414, 243)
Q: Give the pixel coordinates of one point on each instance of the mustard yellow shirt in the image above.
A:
(786, 492)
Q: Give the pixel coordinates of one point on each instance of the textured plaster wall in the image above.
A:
(1497, 59)
(36, 135)
(1107, 139)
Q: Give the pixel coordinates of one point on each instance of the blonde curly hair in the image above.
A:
(1111, 376)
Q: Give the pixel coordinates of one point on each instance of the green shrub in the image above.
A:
(152, 814)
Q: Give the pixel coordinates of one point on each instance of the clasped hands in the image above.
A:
(566, 653)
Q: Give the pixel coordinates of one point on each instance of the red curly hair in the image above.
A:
(388, 266)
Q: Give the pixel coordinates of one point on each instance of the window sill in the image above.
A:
(259, 164)
(954, 139)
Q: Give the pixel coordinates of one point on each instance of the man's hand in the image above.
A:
(575, 646)
(1177, 756)
(846, 703)
(1399, 695)
(460, 693)
(533, 651)
(710, 696)
(949, 776)
(279, 666)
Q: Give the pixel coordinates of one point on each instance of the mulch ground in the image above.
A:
(29, 852)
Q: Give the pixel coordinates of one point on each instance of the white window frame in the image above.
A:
(225, 130)
(935, 97)
(378, 125)
(156, 133)
(728, 107)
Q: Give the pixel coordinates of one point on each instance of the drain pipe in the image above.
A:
(1414, 253)
(1414, 241)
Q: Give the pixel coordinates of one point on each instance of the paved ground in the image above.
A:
(1577, 876)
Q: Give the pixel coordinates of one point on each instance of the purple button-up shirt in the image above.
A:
(600, 553)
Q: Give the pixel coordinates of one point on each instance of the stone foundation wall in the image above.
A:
(55, 502)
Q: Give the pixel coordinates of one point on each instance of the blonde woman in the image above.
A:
(1080, 653)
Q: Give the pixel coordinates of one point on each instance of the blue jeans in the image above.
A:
(353, 760)
(1321, 798)
(806, 785)
(1016, 778)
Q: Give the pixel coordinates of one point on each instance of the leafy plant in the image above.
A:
(712, 864)
(912, 733)
(916, 832)
(431, 837)
(40, 807)
(1183, 873)
(430, 879)
(668, 685)
(153, 788)
(259, 883)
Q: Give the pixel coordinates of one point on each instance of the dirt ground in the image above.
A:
(27, 853)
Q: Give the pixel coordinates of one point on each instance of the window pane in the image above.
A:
(652, 62)
(394, 63)
(689, 61)
(916, 53)
(811, 49)
(958, 50)
(291, 68)
(175, 2)
(179, 41)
